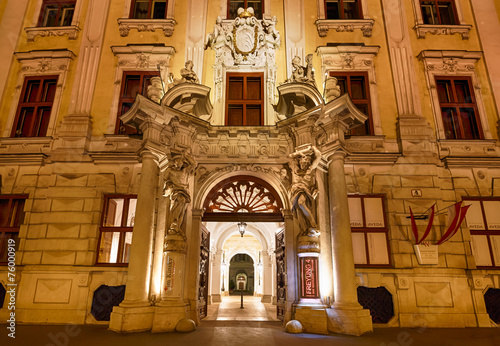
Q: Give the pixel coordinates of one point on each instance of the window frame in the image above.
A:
(365, 23)
(436, 4)
(458, 105)
(127, 22)
(122, 100)
(365, 230)
(35, 104)
(136, 58)
(132, 8)
(45, 3)
(366, 101)
(485, 232)
(245, 6)
(11, 230)
(354, 59)
(245, 102)
(123, 230)
(37, 64)
(342, 12)
(35, 30)
(451, 64)
(460, 27)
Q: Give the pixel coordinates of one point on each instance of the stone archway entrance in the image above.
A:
(251, 200)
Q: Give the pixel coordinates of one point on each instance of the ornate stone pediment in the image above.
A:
(245, 40)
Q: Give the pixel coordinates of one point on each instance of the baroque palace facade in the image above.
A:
(147, 145)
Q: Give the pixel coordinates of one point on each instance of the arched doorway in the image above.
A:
(243, 263)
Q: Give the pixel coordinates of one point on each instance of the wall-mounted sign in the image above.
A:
(309, 277)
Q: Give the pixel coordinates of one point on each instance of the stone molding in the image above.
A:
(141, 25)
(423, 29)
(354, 58)
(71, 31)
(453, 63)
(228, 40)
(145, 57)
(40, 63)
(364, 25)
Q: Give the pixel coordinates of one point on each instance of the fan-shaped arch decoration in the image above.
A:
(241, 198)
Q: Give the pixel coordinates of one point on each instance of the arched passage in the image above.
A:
(252, 200)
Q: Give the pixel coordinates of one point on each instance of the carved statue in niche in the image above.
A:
(187, 76)
(303, 191)
(303, 74)
(176, 178)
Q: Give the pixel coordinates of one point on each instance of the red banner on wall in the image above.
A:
(309, 277)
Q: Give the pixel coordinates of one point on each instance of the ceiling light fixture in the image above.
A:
(242, 226)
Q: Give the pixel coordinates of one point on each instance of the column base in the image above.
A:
(266, 298)
(166, 316)
(216, 298)
(312, 315)
(349, 320)
(131, 319)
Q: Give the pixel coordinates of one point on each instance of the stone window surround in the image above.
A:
(167, 25)
(72, 31)
(40, 63)
(265, 15)
(137, 58)
(453, 63)
(421, 29)
(354, 58)
(222, 85)
(344, 25)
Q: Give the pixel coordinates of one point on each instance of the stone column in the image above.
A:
(135, 312)
(216, 277)
(267, 278)
(291, 272)
(325, 264)
(347, 315)
(156, 276)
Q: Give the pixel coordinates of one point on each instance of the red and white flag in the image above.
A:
(456, 215)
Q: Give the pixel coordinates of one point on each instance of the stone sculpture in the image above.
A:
(155, 90)
(302, 74)
(176, 177)
(187, 76)
(303, 191)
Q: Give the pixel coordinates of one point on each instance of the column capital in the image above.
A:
(197, 213)
(287, 214)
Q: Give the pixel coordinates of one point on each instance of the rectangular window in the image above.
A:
(343, 9)
(458, 108)
(57, 13)
(233, 5)
(369, 231)
(133, 83)
(11, 218)
(439, 12)
(117, 223)
(33, 112)
(356, 85)
(483, 220)
(244, 99)
(149, 9)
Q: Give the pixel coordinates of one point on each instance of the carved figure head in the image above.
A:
(304, 162)
(189, 64)
(296, 60)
